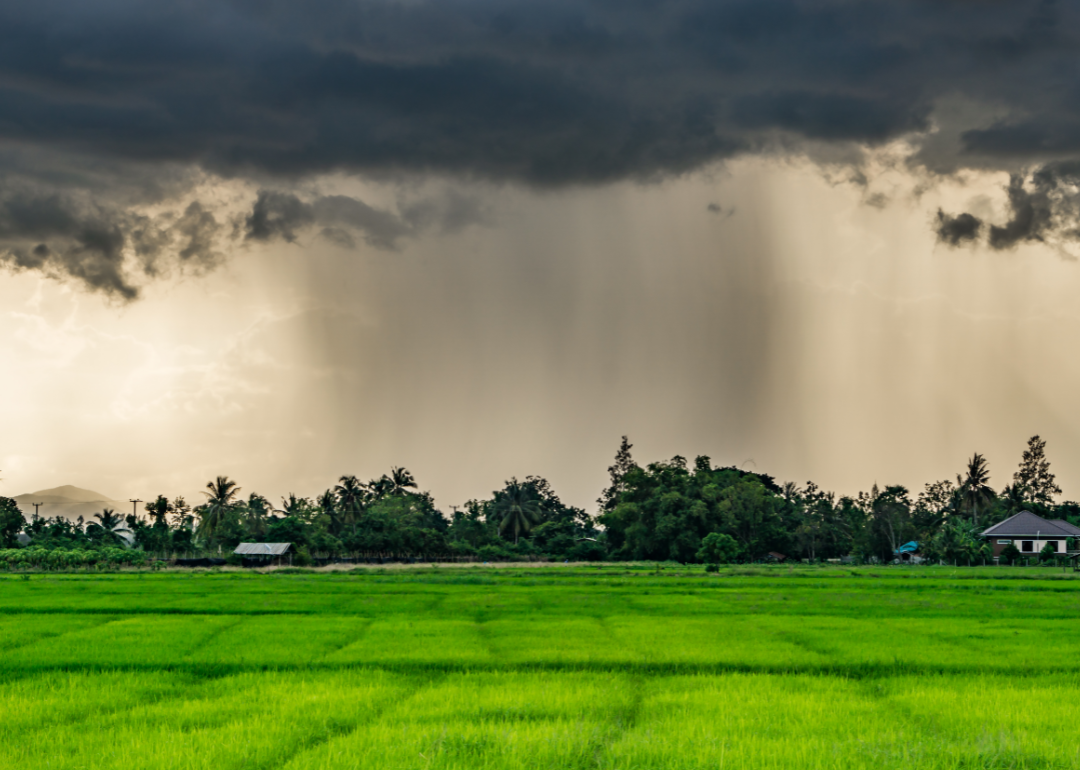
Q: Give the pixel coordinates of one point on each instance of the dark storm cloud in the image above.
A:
(87, 243)
(548, 94)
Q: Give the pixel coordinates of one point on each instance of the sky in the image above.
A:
(828, 241)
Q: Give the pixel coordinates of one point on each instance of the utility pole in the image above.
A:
(36, 506)
(135, 507)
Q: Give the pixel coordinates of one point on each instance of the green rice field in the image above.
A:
(558, 667)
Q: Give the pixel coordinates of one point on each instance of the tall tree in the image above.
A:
(11, 522)
(158, 510)
(1033, 477)
(974, 487)
(221, 501)
(181, 513)
(518, 510)
(624, 463)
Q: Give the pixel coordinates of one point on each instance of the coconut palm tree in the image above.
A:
(113, 525)
(401, 481)
(381, 487)
(295, 506)
(1014, 497)
(518, 509)
(221, 500)
(974, 489)
(328, 506)
(350, 491)
(351, 494)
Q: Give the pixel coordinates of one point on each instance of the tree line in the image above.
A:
(668, 510)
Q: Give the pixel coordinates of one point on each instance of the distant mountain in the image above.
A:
(69, 502)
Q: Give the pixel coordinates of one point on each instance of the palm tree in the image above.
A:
(328, 505)
(381, 487)
(349, 490)
(221, 500)
(351, 495)
(257, 511)
(401, 481)
(519, 510)
(1015, 497)
(974, 489)
(113, 525)
(294, 506)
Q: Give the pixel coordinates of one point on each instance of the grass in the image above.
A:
(581, 667)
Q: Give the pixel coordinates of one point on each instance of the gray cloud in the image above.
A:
(282, 215)
(954, 230)
(1043, 206)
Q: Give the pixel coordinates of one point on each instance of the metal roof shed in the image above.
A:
(264, 553)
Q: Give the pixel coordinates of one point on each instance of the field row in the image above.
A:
(480, 597)
(779, 643)
(375, 719)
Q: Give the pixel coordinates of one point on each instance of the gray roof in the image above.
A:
(262, 549)
(1027, 524)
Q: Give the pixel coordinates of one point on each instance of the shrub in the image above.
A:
(494, 553)
(1010, 554)
(718, 548)
(59, 559)
(302, 557)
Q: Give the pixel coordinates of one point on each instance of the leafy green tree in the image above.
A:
(12, 522)
(936, 503)
(958, 542)
(624, 463)
(181, 514)
(889, 523)
(818, 526)
(1033, 478)
(666, 509)
(289, 529)
(159, 510)
(471, 528)
(718, 548)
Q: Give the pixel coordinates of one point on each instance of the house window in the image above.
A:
(1053, 545)
(1004, 542)
(1027, 546)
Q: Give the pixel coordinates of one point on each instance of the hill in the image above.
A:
(68, 501)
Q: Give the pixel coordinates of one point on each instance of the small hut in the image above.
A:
(264, 554)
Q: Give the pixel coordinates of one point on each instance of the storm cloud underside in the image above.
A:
(118, 98)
